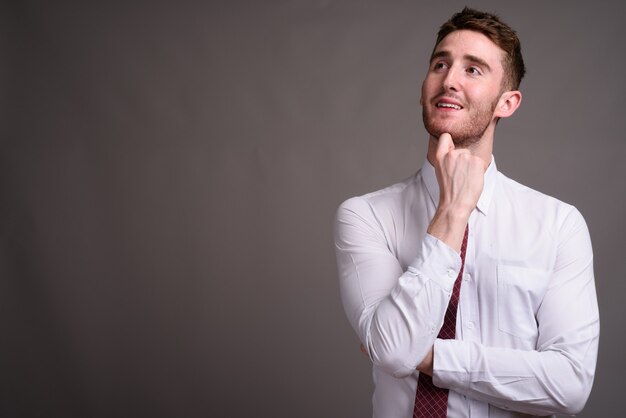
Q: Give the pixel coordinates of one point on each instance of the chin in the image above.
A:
(437, 126)
(463, 134)
(461, 137)
(436, 129)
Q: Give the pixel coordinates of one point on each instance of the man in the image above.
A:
(472, 294)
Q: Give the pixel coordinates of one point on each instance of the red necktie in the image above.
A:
(431, 401)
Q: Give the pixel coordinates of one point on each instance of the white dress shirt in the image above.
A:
(527, 323)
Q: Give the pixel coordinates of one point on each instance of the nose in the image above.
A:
(451, 80)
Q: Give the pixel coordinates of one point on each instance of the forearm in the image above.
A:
(401, 329)
(533, 382)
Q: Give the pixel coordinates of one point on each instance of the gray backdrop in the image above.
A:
(169, 175)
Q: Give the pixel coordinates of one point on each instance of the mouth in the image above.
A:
(448, 104)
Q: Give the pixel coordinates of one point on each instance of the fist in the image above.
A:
(460, 177)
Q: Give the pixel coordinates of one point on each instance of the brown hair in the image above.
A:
(498, 32)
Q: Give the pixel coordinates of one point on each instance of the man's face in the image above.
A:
(462, 87)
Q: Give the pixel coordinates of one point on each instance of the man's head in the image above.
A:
(498, 32)
(475, 69)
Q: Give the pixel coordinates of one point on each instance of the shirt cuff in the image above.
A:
(437, 261)
(451, 365)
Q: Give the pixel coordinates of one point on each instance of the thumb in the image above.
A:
(444, 145)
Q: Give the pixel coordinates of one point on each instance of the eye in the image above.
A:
(439, 65)
(473, 71)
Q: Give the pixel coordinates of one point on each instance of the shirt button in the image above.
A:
(467, 277)
(451, 273)
(470, 325)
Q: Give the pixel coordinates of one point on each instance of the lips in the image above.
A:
(449, 106)
(446, 103)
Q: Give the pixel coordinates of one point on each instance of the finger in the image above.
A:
(364, 351)
(444, 145)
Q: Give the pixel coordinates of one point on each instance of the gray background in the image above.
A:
(169, 175)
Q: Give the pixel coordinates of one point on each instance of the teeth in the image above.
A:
(449, 105)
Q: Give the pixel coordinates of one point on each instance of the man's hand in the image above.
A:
(460, 177)
(426, 366)
(364, 351)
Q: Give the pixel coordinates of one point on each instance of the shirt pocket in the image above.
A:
(520, 292)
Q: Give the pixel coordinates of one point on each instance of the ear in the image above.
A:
(508, 103)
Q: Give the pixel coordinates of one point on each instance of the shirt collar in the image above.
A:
(430, 179)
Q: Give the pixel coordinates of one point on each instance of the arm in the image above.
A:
(557, 376)
(396, 314)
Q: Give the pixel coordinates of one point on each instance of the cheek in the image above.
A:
(481, 95)
(427, 90)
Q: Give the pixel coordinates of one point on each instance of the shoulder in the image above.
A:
(515, 190)
(547, 209)
(386, 199)
(376, 215)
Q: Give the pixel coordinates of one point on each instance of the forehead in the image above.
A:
(465, 42)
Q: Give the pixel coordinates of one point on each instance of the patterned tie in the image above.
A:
(431, 401)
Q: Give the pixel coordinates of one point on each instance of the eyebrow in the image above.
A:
(467, 57)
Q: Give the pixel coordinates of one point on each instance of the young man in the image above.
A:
(473, 295)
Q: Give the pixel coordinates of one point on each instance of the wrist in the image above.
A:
(449, 226)
(426, 365)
